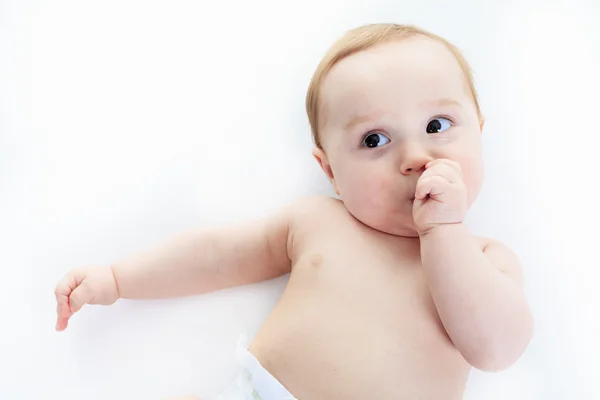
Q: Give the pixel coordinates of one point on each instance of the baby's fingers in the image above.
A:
(65, 309)
(63, 314)
(62, 292)
(64, 303)
(80, 296)
(433, 186)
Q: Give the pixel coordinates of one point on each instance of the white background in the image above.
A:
(125, 122)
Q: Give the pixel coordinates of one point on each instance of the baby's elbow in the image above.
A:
(505, 351)
(492, 362)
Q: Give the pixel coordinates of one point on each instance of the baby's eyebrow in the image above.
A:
(359, 120)
(443, 102)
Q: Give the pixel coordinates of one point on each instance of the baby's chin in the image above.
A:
(399, 229)
(397, 222)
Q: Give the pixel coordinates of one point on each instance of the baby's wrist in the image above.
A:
(112, 271)
(437, 228)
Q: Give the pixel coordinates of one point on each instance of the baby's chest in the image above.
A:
(359, 254)
(367, 291)
(364, 271)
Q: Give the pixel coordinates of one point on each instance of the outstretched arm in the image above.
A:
(195, 262)
(205, 260)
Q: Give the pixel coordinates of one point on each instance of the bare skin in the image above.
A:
(373, 334)
(389, 296)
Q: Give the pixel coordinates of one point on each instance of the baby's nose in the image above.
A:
(414, 163)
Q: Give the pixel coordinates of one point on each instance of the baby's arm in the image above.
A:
(479, 296)
(205, 260)
(477, 290)
(195, 262)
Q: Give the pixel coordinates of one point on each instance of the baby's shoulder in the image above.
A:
(315, 212)
(315, 206)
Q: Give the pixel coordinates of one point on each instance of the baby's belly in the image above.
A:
(372, 336)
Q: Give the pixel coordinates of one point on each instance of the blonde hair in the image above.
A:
(363, 38)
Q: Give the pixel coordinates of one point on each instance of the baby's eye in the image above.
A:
(438, 124)
(375, 140)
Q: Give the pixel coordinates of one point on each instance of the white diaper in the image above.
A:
(253, 382)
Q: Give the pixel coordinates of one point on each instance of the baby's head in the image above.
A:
(385, 100)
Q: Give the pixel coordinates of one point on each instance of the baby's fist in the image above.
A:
(440, 195)
(95, 285)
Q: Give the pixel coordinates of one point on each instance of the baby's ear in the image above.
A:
(321, 157)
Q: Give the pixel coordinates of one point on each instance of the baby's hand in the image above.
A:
(440, 196)
(94, 285)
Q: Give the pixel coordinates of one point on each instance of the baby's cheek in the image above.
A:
(374, 196)
(361, 188)
(473, 173)
(379, 189)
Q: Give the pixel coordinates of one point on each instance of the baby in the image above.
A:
(389, 296)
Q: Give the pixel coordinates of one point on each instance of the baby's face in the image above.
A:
(386, 112)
